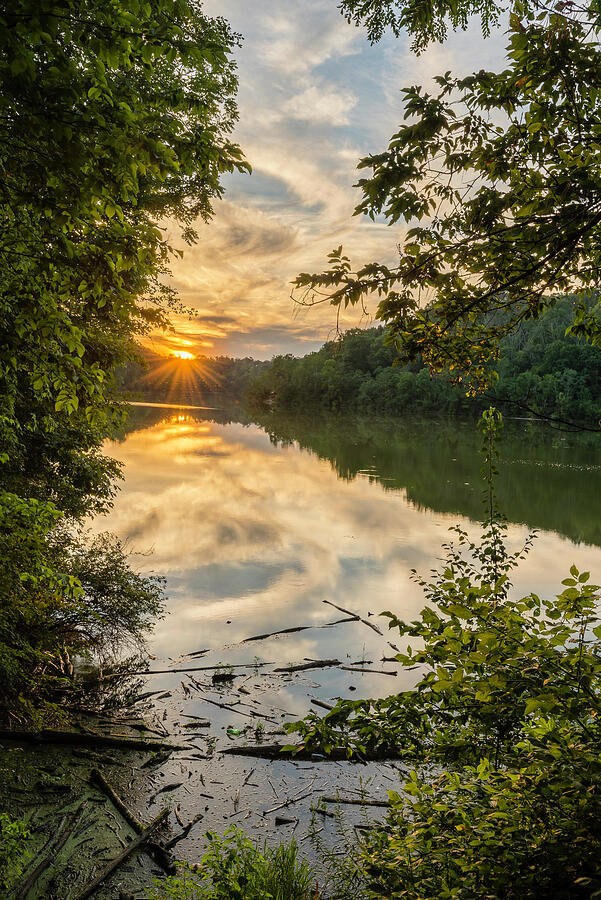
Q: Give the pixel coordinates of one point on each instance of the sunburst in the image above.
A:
(183, 377)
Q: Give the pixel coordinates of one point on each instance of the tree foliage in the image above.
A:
(114, 118)
(497, 179)
(501, 725)
(425, 22)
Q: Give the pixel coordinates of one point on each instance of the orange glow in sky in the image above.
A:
(182, 354)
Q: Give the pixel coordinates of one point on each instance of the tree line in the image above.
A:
(542, 371)
(156, 377)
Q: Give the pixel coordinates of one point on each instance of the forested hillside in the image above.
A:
(541, 372)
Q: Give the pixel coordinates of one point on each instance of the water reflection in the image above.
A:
(254, 527)
(253, 532)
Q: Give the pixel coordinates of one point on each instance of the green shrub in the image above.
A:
(234, 868)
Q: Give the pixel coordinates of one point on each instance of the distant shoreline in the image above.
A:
(167, 405)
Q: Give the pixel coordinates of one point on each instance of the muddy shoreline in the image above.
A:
(199, 745)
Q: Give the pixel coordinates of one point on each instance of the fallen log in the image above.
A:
(373, 671)
(138, 842)
(86, 739)
(98, 779)
(277, 751)
(159, 853)
(54, 847)
(353, 801)
(314, 664)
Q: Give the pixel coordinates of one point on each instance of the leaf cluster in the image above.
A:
(13, 853)
(496, 178)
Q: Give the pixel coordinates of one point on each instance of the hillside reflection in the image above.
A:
(547, 479)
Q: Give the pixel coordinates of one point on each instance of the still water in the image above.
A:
(259, 527)
(254, 527)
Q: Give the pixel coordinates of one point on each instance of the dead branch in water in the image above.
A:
(314, 664)
(321, 703)
(86, 739)
(353, 801)
(356, 616)
(138, 842)
(373, 671)
(262, 637)
(184, 670)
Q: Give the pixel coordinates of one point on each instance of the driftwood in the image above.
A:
(321, 703)
(195, 653)
(87, 739)
(184, 670)
(138, 842)
(285, 820)
(289, 802)
(159, 853)
(250, 715)
(374, 671)
(314, 664)
(54, 847)
(356, 616)
(353, 801)
(262, 637)
(184, 832)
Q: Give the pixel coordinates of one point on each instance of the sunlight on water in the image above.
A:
(253, 534)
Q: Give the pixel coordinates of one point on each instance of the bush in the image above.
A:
(62, 596)
(235, 869)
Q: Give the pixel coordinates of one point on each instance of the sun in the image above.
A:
(182, 354)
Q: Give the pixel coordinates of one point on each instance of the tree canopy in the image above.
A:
(114, 119)
(497, 177)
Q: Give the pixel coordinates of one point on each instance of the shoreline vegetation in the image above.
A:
(542, 373)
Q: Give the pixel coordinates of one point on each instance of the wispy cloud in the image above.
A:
(321, 104)
(314, 97)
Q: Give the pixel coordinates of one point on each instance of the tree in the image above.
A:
(114, 117)
(497, 175)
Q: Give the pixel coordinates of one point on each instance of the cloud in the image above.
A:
(319, 104)
(314, 98)
(304, 36)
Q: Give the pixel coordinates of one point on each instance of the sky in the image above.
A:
(314, 97)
